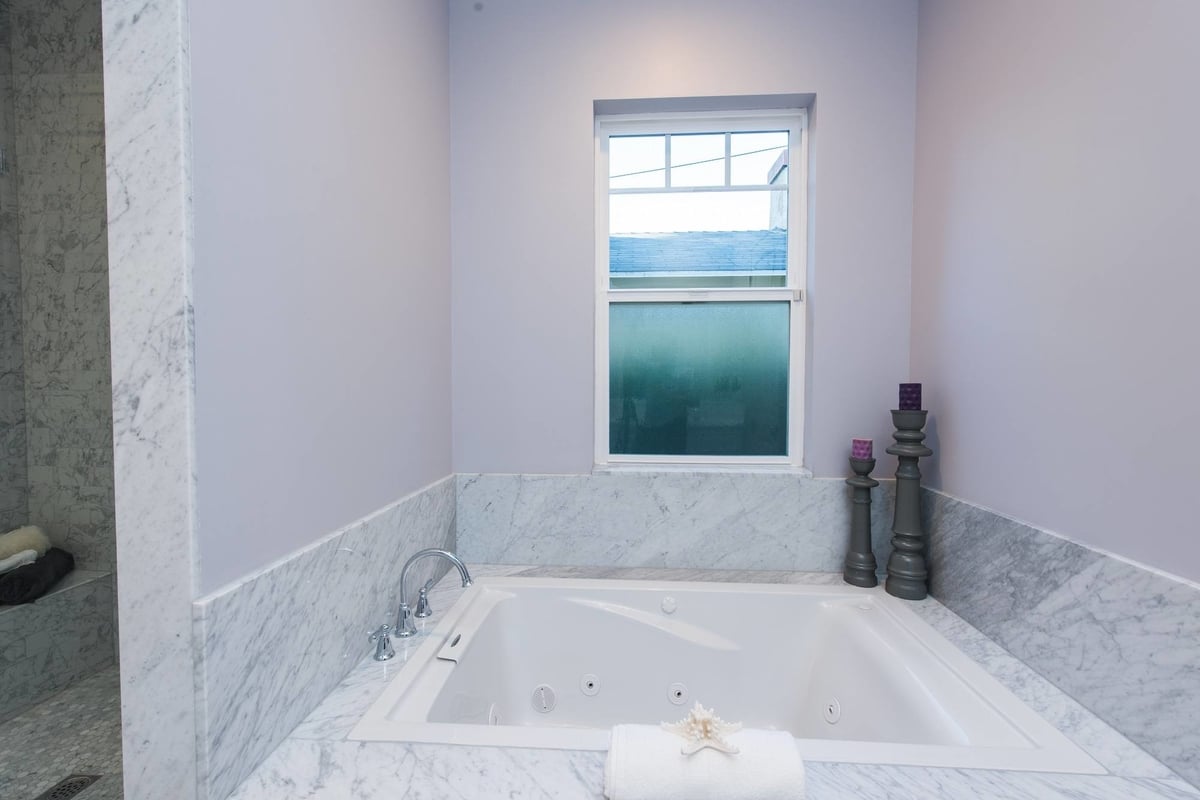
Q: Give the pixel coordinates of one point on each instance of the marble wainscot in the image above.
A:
(1121, 639)
(271, 646)
(689, 520)
(54, 641)
(317, 761)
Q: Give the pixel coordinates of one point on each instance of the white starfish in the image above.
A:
(702, 728)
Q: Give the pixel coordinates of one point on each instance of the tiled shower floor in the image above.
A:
(78, 731)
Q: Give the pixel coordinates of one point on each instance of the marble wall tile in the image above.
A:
(1124, 641)
(703, 520)
(58, 102)
(56, 36)
(272, 646)
(148, 153)
(50, 643)
(14, 478)
(14, 505)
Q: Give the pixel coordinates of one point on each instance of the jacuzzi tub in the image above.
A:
(852, 673)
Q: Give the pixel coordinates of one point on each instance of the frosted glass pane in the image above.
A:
(698, 378)
(637, 162)
(698, 159)
(753, 155)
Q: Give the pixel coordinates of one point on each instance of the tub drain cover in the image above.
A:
(68, 787)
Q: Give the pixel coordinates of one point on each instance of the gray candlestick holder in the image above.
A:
(907, 575)
(860, 561)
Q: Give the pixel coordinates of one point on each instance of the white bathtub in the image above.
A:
(852, 673)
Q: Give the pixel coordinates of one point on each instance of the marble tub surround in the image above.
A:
(47, 645)
(272, 646)
(317, 761)
(1123, 640)
(692, 520)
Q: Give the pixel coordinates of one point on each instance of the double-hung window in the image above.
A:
(700, 260)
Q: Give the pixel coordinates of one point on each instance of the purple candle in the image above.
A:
(861, 448)
(910, 397)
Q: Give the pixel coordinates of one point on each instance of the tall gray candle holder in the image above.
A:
(860, 561)
(907, 575)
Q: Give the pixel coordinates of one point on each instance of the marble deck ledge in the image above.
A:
(318, 762)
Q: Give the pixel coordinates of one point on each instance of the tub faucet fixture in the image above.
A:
(383, 644)
(423, 607)
(404, 617)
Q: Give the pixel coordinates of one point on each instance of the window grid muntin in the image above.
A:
(668, 168)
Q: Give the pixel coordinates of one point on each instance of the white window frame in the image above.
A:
(795, 121)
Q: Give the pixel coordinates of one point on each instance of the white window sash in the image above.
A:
(796, 124)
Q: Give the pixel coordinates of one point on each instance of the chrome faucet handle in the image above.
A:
(406, 629)
(423, 609)
(383, 643)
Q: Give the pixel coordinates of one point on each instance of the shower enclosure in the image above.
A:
(58, 654)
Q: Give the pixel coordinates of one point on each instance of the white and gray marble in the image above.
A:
(847, 781)
(273, 645)
(149, 252)
(317, 761)
(1124, 641)
(703, 520)
(54, 641)
(58, 102)
(76, 732)
(14, 484)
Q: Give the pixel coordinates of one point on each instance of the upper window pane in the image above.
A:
(755, 158)
(687, 240)
(636, 162)
(698, 159)
(669, 212)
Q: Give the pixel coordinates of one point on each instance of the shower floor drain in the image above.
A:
(68, 787)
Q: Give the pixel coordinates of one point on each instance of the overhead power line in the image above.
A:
(694, 163)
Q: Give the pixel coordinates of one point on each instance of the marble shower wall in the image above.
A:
(1122, 640)
(269, 648)
(14, 488)
(700, 520)
(58, 103)
(48, 645)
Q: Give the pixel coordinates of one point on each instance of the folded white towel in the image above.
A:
(19, 560)
(28, 538)
(645, 763)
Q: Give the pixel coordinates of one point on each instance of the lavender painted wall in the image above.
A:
(322, 276)
(1054, 265)
(524, 75)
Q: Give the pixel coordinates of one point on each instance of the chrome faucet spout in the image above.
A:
(404, 624)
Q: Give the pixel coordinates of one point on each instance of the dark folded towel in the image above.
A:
(28, 583)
